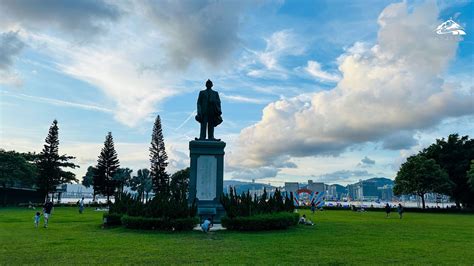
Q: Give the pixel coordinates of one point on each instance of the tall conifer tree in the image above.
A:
(50, 164)
(158, 160)
(107, 166)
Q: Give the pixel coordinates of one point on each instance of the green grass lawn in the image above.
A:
(339, 237)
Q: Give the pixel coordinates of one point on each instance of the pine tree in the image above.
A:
(88, 179)
(107, 166)
(50, 164)
(158, 160)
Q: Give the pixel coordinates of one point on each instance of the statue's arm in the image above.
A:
(219, 104)
(199, 105)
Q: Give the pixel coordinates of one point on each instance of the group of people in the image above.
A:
(388, 210)
(47, 209)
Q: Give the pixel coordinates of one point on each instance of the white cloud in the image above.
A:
(114, 68)
(58, 102)
(393, 85)
(267, 62)
(242, 99)
(314, 69)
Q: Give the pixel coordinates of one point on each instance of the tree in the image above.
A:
(122, 177)
(454, 155)
(420, 175)
(142, 183)
(50, 164)
(470, 175)
(107, 166)
(158, 160)
(16, 170)
(88, 179)
(179, 185)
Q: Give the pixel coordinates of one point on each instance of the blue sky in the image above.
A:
(333, 91)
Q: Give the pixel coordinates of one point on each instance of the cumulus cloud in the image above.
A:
(10, 47)
(393, 85)
(80, 17)
(204, 30)
(314, 69)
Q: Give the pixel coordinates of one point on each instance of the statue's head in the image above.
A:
(209, 84)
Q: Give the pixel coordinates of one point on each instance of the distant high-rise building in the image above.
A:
(386, 192)
(316, 186)
(332, 192)
(291, 187)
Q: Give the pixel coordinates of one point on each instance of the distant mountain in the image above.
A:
(242, 186)
(379, 181)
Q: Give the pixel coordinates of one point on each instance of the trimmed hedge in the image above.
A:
(261, 222)
(148, 223)
(111, 219)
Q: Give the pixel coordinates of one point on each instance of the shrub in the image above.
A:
(111, 219)
(149, 223)
(248, 205)
(184, 224)
(272, 221)
(138, 222)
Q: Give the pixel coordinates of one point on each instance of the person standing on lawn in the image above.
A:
(81, 205)
(400, 210)
(47, 208)
(37, 219)
(388, 209)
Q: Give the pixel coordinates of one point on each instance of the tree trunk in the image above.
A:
(422, 200)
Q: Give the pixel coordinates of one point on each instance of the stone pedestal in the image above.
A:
(206, 180)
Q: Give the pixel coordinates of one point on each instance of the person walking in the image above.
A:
(81, 205)
(313, 207)
(47, 208)
(387, 210)
(37, 219)
(400, 210)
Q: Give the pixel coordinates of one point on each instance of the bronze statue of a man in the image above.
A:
(208, 111)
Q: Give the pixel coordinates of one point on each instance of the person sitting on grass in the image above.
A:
(37, 219)
(206, 225)
(305, 221)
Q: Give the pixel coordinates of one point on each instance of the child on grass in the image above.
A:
(37, 219)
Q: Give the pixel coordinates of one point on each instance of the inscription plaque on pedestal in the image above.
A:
(206, 180)
(206, 177)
